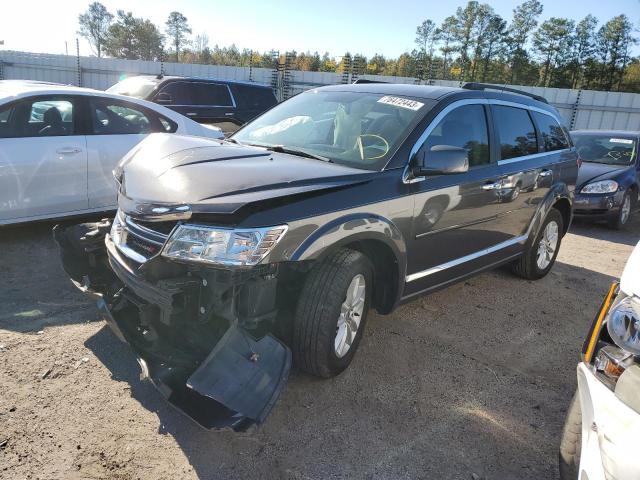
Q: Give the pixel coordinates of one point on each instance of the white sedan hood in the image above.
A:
(630, 280)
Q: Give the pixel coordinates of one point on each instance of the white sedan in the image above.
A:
(59, 145)
(600, 436)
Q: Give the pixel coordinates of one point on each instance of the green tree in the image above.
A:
(426, 37)
(133, 38)
(614, 40)
(552, 41)
(525, 20)
(177, 29)
(494, 43)
(94, 26)
(583, 48)
(448, 35)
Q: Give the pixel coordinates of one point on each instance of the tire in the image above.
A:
(316, 324)
(622, 218)
(527, 266)
(571, 441)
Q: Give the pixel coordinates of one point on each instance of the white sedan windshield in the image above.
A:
(358, 129)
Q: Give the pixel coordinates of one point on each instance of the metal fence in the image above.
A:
(580, 108)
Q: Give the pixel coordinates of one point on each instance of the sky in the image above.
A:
(333, 26)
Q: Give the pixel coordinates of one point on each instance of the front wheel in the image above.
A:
(538, 259)
(624, 214)
(331, 313)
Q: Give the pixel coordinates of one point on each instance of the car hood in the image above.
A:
(209, 176)
(630, 280)
(591, 172)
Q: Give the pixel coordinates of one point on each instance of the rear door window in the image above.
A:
(552, 133)
(516, 132)
(111, 117)
(179, 92)
(211, 94)
(198, 93)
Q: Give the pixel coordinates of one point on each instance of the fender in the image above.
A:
(352, 228)
(557, 191)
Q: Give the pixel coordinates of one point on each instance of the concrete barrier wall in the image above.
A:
(580, 108)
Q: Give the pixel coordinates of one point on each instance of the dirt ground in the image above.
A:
(470, 382)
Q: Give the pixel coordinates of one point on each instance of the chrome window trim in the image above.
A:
(466, 258)
(530, 157)
(233, 100)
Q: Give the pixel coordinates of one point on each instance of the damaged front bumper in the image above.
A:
(202, 335)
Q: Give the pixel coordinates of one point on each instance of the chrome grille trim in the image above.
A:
(129, 238)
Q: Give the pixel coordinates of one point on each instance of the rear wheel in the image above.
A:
(331, 313)
(538, 259)
(571, 441)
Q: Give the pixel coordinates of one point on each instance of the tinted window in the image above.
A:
(516, 132)
(254, 98)
(464, 127)
(117, 118)
(52, 117)
(198, 93)
(211, 94)
(179, 92)
(553, 137)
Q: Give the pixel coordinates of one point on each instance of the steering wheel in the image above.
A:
(379, 146)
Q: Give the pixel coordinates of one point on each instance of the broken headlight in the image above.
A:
(222, 246)
(624, 324)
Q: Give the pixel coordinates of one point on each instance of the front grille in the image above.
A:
(159, 227)
(135, 241)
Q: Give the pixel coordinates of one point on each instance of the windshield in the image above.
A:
(357, 129)
(612, 150)
(138, 87)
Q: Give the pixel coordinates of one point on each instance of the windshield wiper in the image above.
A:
(294, 151)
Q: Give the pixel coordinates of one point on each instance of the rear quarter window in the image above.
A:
(552, 133)
(254, 97)
(516, 132)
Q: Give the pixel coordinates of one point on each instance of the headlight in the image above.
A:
(604, 186)
(624, 325)
(222, 246)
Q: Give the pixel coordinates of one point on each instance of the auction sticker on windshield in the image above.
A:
(626, 141)
(401, 102)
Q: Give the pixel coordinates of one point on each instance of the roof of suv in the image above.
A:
(159, 79)
(436, 92)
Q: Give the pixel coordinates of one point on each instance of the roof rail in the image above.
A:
(488, 86)
(366, 80)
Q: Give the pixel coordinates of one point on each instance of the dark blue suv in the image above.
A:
(226, 104)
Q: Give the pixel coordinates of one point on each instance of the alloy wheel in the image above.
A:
(350, 315)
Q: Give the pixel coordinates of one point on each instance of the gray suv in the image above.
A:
(228, 260)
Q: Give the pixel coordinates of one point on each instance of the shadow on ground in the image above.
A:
(473, 379)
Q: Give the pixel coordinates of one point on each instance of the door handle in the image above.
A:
(68, 150)
(546, 173)
(492, 186)
(191, 114)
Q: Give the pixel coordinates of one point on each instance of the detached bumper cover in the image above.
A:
(234, 382)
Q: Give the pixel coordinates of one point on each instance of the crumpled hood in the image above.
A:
(591, 172)
(220, 177)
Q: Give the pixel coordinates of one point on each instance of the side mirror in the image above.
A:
(440, 160)
(164, 98)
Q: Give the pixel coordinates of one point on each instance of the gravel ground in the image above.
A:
(470, 382)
